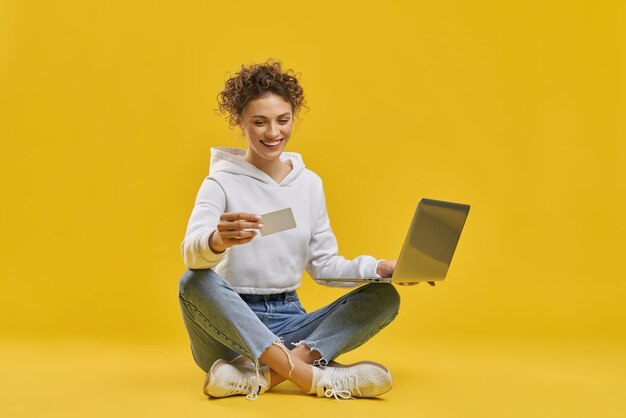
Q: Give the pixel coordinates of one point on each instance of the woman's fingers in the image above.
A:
(414, 283)
(237, 234)
(242, 240)
(244, 216)
(233, 221)
(232, 241)
(238, 225)
(234, 227)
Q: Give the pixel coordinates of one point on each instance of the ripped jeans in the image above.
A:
(223, 324)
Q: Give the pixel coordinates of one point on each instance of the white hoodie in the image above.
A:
(273, 263)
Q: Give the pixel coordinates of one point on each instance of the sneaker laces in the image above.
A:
(339, 387)
(250, 385)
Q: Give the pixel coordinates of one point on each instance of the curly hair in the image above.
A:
(255, 82)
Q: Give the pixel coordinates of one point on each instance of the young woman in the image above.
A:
(238, 297)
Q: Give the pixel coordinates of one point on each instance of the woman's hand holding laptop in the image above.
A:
(386, 268)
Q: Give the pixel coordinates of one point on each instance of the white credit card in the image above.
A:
(277, 221)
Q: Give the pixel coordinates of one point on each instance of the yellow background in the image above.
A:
(106, 120)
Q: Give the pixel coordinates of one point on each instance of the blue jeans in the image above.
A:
(224, 324)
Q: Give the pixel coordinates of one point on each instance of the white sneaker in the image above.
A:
(364, 379)
(238, 377)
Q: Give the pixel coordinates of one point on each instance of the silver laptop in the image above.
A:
(429, 245)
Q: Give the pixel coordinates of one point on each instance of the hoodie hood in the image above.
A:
(230, 160)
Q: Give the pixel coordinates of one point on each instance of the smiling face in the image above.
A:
(267, 123)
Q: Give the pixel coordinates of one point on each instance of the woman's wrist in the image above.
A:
(215, 248)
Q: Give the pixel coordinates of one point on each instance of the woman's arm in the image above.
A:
(323, 259)
(210, 204)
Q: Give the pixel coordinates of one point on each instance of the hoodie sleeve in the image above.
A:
(209, 206)
(323, 259)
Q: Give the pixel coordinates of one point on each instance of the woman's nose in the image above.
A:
(272, 131)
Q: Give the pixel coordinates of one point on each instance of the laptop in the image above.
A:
(429, 245)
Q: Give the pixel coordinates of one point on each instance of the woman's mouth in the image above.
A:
(272, 145)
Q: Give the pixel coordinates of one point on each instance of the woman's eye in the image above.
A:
(280, 121)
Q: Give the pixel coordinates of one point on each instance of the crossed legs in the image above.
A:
(221, 325)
